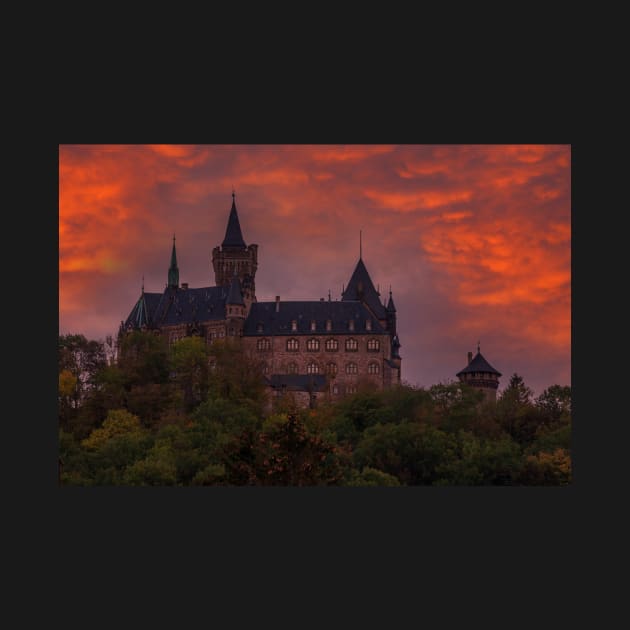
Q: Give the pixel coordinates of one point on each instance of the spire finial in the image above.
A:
(233, 193)
(478, 346)
(360, 246)
(142, 283)
(390, 290)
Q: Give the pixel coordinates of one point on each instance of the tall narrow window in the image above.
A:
(373, 345)
(351, 324)
(352, 368)
(351, 389)
(263, 344)
(368, 324)
(332, 345)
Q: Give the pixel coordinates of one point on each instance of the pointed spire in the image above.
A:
(233, 234)
(390, 305)
(142, 284)
(173, 270)
(362, 289)
(478, 347)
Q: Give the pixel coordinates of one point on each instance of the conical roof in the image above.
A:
(233, 234)
(362, 289)
(479, 364)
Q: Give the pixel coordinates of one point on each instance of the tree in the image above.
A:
(83, 359)
(287, 454)
(189, 363)
(410, 451)
(517, 391)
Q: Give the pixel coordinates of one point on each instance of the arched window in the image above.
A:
(332, 345)
(331, 368)
(312, 368)
(373, 368)
(293, 345)
(292, 368)
(263, 345)
(352, 345)
(373, 345)
(312, 345)
(352, 368)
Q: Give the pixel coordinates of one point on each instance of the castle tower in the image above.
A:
(233, 256)
(235, 309)
(480, 375)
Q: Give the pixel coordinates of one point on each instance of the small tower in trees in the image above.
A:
(481, 375)
(233, 256)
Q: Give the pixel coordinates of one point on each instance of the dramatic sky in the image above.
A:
(475, 240)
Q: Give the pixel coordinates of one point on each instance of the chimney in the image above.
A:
(469, 358)
(184, 285)
(277, 303)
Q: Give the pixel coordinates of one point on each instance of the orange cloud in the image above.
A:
(475, 240)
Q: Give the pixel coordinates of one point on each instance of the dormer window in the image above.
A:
(351, 324)
(313, 325)
(259, 327)
(294, 325)
(368, 324)
(329, 325)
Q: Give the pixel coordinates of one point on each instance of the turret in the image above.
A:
(235, 308)
(233, 256)
(479, 374)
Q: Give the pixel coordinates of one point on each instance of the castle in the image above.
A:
(316, 348)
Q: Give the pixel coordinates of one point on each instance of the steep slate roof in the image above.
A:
(143, 310)
(361, 279)
(298, 382)
(303, 312)
(233, 234)
(479, 364)
(180, 306)
(234, 295)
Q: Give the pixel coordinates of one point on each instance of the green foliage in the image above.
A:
(481, 462)
(410, 451)
(191, 415)
(370, 477)
(189, 363)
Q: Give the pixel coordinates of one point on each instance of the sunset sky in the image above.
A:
(475, 240)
